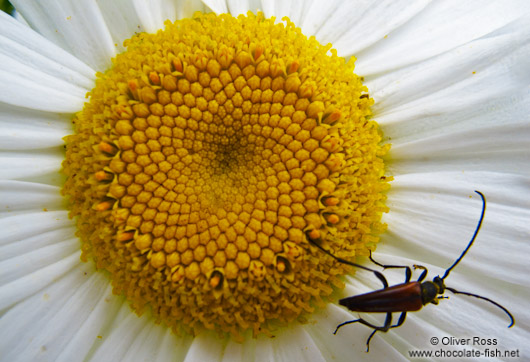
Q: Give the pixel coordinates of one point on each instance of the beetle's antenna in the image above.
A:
(379, 275)
(472, 239)
(486, 299)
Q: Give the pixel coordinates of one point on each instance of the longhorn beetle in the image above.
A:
(408, 296)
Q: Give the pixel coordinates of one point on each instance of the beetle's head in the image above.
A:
(439, 283)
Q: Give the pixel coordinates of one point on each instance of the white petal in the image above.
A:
(217, 6)
(60, 62)
(317, 15)
(30, 88)
(458, 110)
(37, 248)
(186, 8)
(205, 347)
(41, 75)
(115, 345)
(350, 340)
(28, 263)
(21, 246)
(42, 325)
(445, 218)
(153, 14)
(96, 312)
(172, 348)
(20, 289)
(26, 129)
(144, 344)
(264, 348)
(492, 67)
(501, 148)
(132, 338)
(77, 27)
(26, 225)
(16, 165)
(441, 26)
(295, 10)
(351, 26)
(237, 7)
(295, 344)
(18, 196)
(234, 351)
(121, 20)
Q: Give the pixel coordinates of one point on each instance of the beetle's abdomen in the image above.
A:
(399, 298)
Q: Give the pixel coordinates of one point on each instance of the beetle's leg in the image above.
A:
(408, 272)
(387, 326)
(383, 328)
(401, 320)
(423, 275)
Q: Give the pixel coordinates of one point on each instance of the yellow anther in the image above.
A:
(154, 78)
(331, 201)
(133, 87)
(293, 67)
(103, 206)
(331, 144)
(334, 162)
(200, 60)
(307, 89)
(332, 219)
(292, 250)
(225, 55)
(314, 234)
(214, 281)
(120, 216)
(257, 270)
(280, 266)
(125, 236)
(124, 112)
(277, 68)
(178, 274)
(177, 64)
(103, 176)
(107, 147)
(257, 51)
(333, 117)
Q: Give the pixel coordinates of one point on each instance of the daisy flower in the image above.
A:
(448, 84)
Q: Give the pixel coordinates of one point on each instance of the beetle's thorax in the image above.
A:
(431, 290)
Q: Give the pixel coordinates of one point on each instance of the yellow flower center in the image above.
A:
(207, 157)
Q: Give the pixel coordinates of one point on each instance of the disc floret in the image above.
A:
(206, 156)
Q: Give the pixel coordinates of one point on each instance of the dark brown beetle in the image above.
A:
(408, 296)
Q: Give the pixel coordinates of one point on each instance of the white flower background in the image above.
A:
(451, 83)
